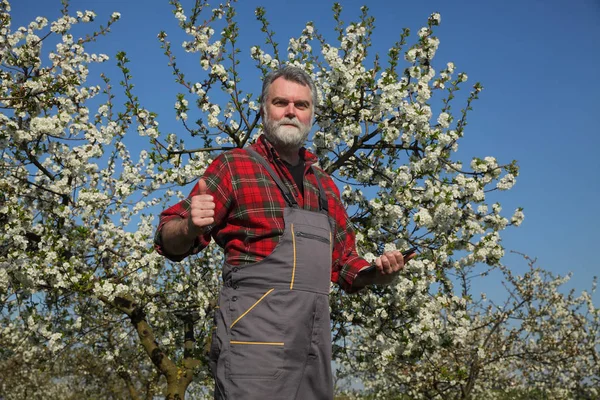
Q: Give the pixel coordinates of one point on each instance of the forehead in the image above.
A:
(290, 90)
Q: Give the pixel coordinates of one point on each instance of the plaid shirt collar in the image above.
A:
(265, 148)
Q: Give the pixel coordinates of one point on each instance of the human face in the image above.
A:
(287, 114)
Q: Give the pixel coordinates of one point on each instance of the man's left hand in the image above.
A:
(386, 269)
(389, 264)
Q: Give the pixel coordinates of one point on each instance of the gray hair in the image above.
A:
(289, 73)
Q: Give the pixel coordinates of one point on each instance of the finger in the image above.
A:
(202, 188)
(386, 264)
(203, 219)
(396, 261)
(379, 265)
(205, 201)
(399, 261)
(203, 213)
(202, 208)
(198, 225)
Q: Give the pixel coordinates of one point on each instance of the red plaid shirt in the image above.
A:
(249, 210)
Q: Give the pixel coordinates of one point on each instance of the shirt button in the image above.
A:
(234, 298)
(235, 287)
(236, 269)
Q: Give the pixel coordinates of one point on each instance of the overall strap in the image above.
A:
(287, 195)
(323, 206)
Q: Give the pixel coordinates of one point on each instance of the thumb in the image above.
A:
(202, 189)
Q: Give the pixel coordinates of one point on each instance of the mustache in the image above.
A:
(289, 121)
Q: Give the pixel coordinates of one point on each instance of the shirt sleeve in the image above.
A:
(218, 183)
(346, 263)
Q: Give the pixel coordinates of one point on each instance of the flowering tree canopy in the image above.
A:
(84, 297)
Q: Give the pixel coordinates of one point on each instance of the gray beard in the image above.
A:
(286, 137)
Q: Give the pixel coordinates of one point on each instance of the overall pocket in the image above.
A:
(256, 335)
(312, 250)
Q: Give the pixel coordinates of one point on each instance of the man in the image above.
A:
(285, 235)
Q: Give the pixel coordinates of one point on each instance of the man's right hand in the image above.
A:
(179, 234)
(202, 210)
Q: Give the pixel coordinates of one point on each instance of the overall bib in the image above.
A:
(273, 335)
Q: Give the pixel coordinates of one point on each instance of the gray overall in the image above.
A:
(272, 338)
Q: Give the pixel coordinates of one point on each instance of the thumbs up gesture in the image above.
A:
(202, 209)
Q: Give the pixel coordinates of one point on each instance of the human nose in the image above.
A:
(290, 110)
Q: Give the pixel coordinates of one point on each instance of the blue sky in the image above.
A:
(537, 61)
